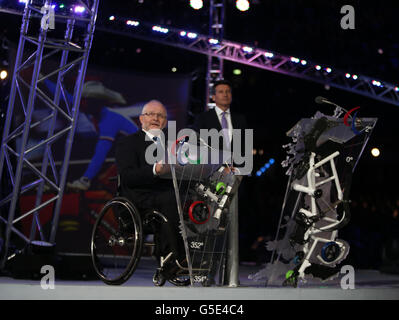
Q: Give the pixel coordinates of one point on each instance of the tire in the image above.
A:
(117, 241)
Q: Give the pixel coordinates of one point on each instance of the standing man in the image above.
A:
(141, 182)
(222, 118)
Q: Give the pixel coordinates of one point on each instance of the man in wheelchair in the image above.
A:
(140, 182)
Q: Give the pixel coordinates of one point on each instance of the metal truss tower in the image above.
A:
(215, 64)
(297, 67)
(65, 38)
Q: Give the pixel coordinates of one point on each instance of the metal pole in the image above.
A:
(232, 277)
(64, 58)
(215, 64)
(11, 101)
(75, 111)
(28, 118)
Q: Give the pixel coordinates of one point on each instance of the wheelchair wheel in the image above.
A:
(116, 241)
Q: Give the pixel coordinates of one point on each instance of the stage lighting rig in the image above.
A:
(242, 5)
(3, 74)
(375, 152)
(196, 4)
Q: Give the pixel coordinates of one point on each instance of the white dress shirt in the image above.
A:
(151, 136)
(228, 118)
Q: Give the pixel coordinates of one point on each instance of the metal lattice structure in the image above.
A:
(215, 64)
(45, 35)
(256, 57)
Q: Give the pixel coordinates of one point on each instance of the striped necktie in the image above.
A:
(225, 129)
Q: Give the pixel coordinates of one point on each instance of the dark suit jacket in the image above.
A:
(137, 177)
(209, 120)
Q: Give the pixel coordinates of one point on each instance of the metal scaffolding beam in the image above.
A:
(37, 44)
(256, 57)
(214, 69)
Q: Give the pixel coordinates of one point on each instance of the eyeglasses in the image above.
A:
(153, 114)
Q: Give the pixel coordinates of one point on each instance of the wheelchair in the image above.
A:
(118, 239)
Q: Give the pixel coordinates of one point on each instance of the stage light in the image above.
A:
(269, 55)
(328, 70)
(267, 165)
(111, 18)
(62, 6)
(174, 69)
(196, 4)
(160, 29)
(242, 5)
(295, 60)
(376, 83)
(354, 77)
(213, 41)
(190, 35)
(79, 9)
(237, 72)
(23, 1)
(348, 75)
(318, 67)
(375, 152)
(247, 49)
(132, 23)
(304, 62)
(397, 89)
(3, 74)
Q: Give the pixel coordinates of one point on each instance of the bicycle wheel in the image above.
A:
(116, 241)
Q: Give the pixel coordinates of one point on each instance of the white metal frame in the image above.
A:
(310, 190)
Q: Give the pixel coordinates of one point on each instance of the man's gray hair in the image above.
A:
(152, 102)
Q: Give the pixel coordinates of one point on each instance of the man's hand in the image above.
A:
(161, 168)
(158, 168)
(228, 170)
